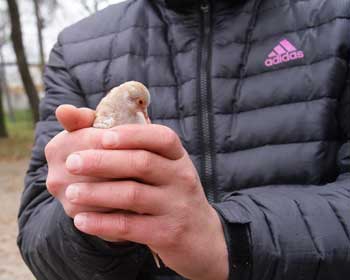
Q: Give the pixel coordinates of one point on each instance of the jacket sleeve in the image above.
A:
(293, 231)
(49, 243)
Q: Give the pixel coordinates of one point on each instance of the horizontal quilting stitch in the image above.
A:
(126, 54)
(149, 86)
(284, 33)
(283, 5)
(263, 146)
(173, 118)
(117, 57)
(276, 144)
(113, 33)
(277, 105)
(228, 43)
(181, 83)
(165, 86)
(275, 7)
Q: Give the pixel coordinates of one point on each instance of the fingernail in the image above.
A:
(110, 139)
(74, 162)
(72, 192)
(80, 220)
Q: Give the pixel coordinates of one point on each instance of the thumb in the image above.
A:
(73, 118)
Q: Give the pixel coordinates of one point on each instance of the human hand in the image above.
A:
(77, 136)
(161, 192)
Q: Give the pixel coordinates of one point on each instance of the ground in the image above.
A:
(11, 184)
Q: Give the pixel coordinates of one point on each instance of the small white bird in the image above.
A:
(125, 104)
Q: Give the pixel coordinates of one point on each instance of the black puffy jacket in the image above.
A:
(259, 93)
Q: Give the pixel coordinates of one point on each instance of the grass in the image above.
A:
(21, 134)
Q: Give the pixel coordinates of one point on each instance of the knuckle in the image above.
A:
(142, 162)
(96, 225)
(122, 224)
(95, 160)
(132, 195)
(93, 137)
(55, 145)
(87, 194)
(190, 179)
(169, 137)
(70, 209)
(53, 184)
(50, 149)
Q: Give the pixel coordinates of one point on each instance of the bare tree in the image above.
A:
(3, 84)
(40, 27)
(3, 131)
(92, 6)
(41, 23)
(17, 41)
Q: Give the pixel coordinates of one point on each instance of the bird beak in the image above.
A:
(145, 113)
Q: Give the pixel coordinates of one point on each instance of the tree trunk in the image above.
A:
(5, 88)
(16, 36)
(3, 131)
(40, 27)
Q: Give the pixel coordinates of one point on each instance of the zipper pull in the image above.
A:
(205, 6)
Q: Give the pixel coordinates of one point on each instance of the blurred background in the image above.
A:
(28, 31)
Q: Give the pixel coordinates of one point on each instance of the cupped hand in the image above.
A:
(161, 193)
(77, 136)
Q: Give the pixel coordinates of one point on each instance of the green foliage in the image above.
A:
(21, 134)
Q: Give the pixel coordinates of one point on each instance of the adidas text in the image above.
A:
(284, 58)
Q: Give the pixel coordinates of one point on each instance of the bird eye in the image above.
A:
(140, 102)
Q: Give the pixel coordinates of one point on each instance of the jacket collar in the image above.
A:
(182, 5)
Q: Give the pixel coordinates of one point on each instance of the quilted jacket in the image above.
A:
(257, 90)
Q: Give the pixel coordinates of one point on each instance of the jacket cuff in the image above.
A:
(237, 238)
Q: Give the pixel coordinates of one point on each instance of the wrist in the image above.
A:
(218, 252)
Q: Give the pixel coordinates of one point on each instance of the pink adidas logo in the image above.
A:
(282, 53)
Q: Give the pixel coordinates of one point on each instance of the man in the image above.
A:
(257, 98)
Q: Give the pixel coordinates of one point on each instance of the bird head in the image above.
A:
(138, 99)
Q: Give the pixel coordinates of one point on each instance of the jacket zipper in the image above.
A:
(204, 97)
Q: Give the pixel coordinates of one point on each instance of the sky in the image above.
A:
(68, 12)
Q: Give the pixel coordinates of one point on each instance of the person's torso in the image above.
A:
(251, 86)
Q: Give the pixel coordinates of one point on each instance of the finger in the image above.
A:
(65, 143)
(144, 166)
(158, 139)
(119, 226)
(72, 118)
(123, 195)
